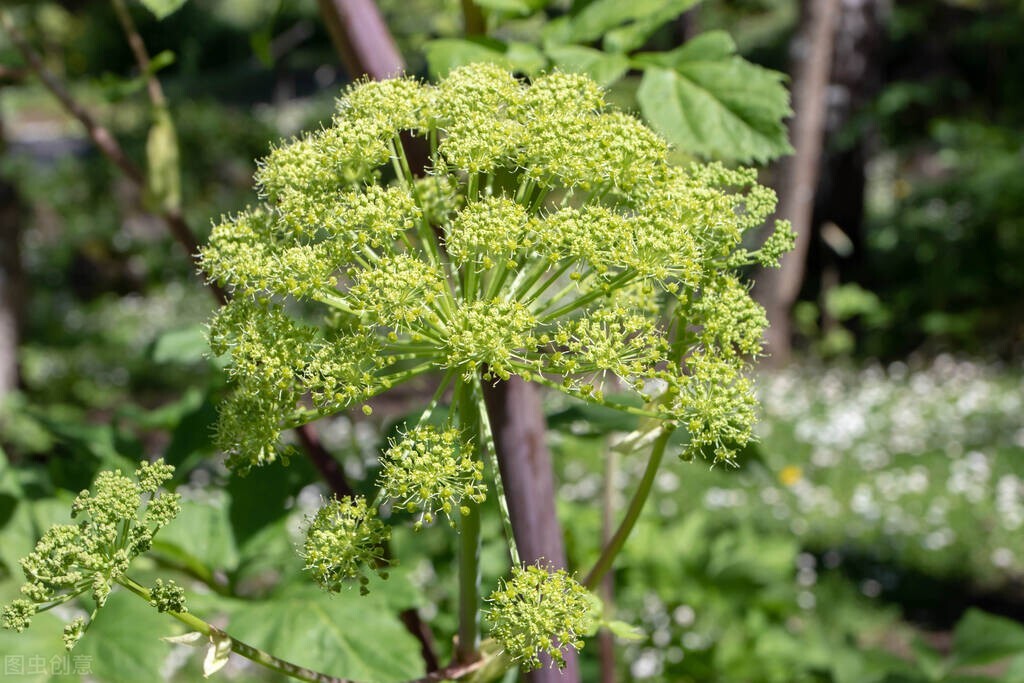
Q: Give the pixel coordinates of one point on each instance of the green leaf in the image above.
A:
(625, 631)
(163, 165)
(160, 61)
(603, 67)
(182, 345)
(38, 656)
(450, 53)
(193, 437)
(928, 661)
(168, 416)
(162, 9)
(710, 46)
(124, 642)
(1015, 672)
(27, 522)
(634, 35)
(627, 24)
(981, 638)
(708, 101)
(201, 536)
(347, 635)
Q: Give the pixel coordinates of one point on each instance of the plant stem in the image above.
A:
(237, 646)
(469, 540)
(487, 446)
(636, 505)
(156, 93)
(606, 641)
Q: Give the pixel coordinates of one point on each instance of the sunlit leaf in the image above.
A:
(345, 635)
(709, 101)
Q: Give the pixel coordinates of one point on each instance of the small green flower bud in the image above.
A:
(17, 616)
(168, 597)
(73, 632)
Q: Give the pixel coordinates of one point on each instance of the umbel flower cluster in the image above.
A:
(117, 522)
(538, 610)
(549, 239)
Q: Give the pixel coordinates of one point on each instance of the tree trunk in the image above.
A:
(777, 290)
(362, 39)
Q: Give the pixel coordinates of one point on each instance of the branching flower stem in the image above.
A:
(251, 653)
(636, 505)
(490, 452)
(265, 659)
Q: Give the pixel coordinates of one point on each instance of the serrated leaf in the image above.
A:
(125, 640)
(345, 635)
(713, 105)
(162, 9)
(981, 638)
(603, 67)
(450, 53)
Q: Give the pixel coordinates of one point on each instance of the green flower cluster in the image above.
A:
(432, 472)
(118, 521)
(342, 539)
(551, 239)
(537, 611)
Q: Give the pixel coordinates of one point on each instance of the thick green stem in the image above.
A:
(238, 647)
(636, 505)
(469, 540)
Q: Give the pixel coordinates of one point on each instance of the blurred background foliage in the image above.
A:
(874, 533)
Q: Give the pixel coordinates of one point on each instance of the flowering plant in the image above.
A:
(549, 239)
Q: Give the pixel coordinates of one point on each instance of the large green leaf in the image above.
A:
(709, 101)
(346, 635)
(982, 638)
(124, 642)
